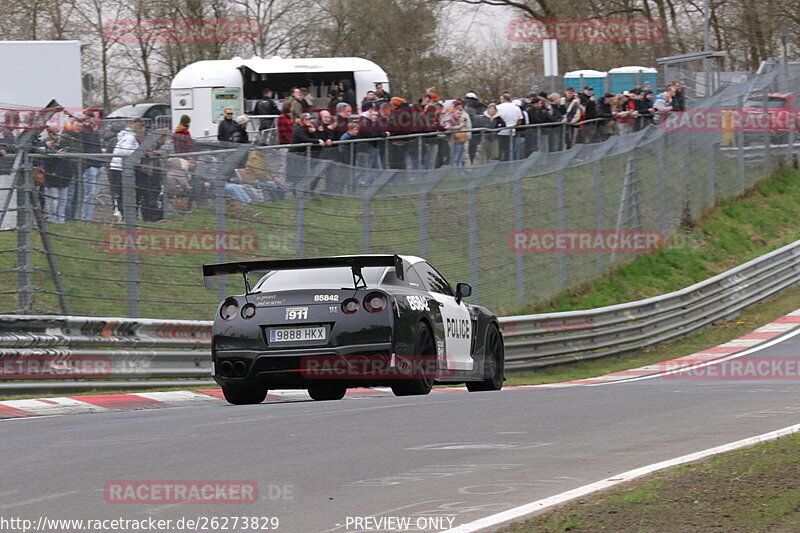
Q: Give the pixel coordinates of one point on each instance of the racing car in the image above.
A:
(328, 324)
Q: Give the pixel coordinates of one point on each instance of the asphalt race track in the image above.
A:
(450, 455)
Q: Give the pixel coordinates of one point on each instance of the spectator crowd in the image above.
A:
(383, 132)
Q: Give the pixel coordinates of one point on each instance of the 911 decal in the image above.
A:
(296, 313)
(457, 328)
(418, 303)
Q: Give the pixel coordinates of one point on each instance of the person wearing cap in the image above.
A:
(182, 139)
(628, 112)
(473, 108)
(662, 105)
(239, 133)
(473, 105)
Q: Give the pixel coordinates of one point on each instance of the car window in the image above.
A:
(413, 279)
(433, 281)
(316, 278)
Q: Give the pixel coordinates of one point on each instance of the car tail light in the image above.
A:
(248, 311)
(350, 306)
(229, 309)
(375, 302)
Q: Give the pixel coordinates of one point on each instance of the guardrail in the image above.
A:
(95, 348)
(535, 341)
(150, 348)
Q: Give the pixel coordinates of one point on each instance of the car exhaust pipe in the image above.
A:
(239, 369)
(225, 368)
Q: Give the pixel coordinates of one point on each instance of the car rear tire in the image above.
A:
(425, 349)
(327, 392)
(494, 364)
(244, 395)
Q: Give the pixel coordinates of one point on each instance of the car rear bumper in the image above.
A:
(299, 368)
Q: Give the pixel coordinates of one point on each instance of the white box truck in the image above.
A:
(203, 89)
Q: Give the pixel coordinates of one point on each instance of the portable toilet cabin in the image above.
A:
(578, 79)
(203, 89)
(626, 78)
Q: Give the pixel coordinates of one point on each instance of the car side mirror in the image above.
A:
(463, 290)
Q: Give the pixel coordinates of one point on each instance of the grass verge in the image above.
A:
(755, 489)
(737, 230)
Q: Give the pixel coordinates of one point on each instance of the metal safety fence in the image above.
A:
(83, 353)
(125, 233)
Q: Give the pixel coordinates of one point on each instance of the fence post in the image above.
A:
(372, 190)
(562, 225)
(519, 260)
(423, 224)
(597, 175)
(473, 239)
(366, 228)
(129, 206)
(299, 224)
(229, 165)
(740, 143)
(660, 146)
(793, 120)
(634, 213)
(767, 138)
(712, 175)
(24, 227)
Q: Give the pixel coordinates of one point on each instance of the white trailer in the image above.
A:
(35, 72)
(203, 89)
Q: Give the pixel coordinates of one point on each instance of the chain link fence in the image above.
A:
(105, 235)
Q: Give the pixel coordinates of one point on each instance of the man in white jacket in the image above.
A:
(127, 142)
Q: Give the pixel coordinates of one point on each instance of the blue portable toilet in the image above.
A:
(578, 79)
(626, 78)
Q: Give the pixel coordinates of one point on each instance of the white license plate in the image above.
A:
(316, 334)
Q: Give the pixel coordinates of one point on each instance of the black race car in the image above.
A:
(326, 324)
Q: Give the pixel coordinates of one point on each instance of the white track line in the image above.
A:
(539, 505)
(722, 359)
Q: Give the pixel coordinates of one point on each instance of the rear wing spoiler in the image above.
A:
(355, 262)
